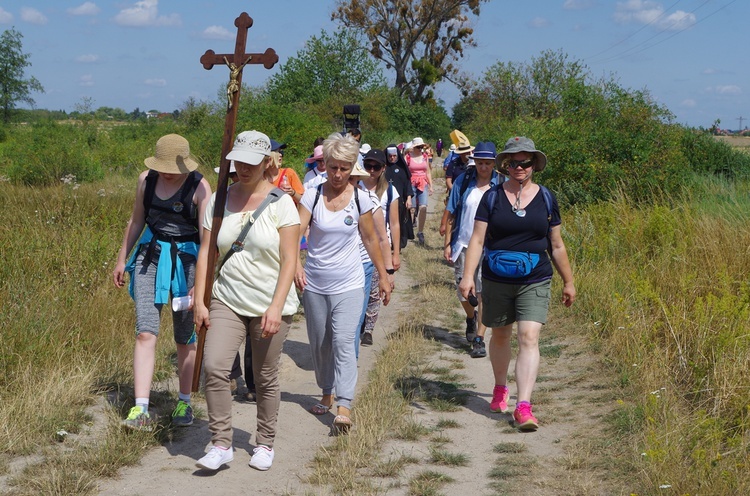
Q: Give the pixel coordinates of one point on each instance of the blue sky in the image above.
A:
(690, 54)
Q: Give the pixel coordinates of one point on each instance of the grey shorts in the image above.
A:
(458, 272)
(148, 313)
(504, 303)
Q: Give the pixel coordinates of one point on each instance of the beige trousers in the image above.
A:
(227, 332)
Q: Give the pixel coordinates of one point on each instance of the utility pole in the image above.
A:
(741, 119)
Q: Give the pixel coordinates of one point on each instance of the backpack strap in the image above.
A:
(148, 195)
(317, 197)
(388, 201)
(273, 196)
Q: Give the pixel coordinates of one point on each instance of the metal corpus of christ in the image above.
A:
(235, 62)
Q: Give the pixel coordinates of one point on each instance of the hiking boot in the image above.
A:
(182, 416)
(250, 396)
(477, 348)
(233, 386)
(499, 402)
(366, 338)
(262, 458)
(471, 327)
(139, 419)
(215, 458)
(420, 239)
(525, 420)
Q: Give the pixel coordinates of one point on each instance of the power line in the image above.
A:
(635, 32)
(659, 33)
(625, 53)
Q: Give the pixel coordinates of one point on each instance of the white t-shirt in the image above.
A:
(247, 282)
(375, 211)
(315, 181)
(312, 174)
(384, 205)
(333, 264)
(468, 211)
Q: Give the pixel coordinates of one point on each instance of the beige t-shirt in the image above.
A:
(247, 282)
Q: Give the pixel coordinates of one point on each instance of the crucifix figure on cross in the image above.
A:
(234, 72)
(235, 62)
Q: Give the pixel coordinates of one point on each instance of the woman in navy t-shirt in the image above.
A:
(520, 217)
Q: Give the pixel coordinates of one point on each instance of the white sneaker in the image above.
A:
(262, 458)
(215, 458)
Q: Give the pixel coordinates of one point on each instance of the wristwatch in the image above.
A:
(390, 272)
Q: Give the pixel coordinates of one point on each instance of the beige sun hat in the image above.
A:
(172, 156)
(463, 145)
(358, 171)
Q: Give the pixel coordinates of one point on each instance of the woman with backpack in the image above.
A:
(166, 227)
(517, 226)
(333, 279)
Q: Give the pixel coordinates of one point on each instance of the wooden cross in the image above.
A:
(236, 62)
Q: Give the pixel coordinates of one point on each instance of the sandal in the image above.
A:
(342, 423)
(320, 409)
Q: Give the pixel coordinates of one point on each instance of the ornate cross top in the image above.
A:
(238, 59)
(235, 62)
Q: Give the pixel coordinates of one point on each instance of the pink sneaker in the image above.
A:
(525, 420)
(499, 399)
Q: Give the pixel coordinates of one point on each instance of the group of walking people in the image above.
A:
(355, 212)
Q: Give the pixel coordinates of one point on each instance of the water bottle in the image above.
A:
(284, 182)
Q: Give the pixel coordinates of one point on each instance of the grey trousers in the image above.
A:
(332, 324)
(223, 340)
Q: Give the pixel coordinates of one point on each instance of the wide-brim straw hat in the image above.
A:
(519, 144)
(463, 145)
(172, 156)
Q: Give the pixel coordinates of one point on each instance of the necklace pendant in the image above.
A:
(521, 213)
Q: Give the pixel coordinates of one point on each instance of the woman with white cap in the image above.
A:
(167, 216)
(517, 225)
(252, 295)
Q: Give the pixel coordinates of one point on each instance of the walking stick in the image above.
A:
(236, 62)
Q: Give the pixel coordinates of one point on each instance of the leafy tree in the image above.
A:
(14, 88)
(328, 65)
(419, 39)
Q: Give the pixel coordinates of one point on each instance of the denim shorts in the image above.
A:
(419, 198)
(504, 303)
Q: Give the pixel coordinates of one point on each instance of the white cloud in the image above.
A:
(5, 16)
(86, 80)
(539, 22)
(677, 21)
(578, 4)
(33, 16)
(709, 71)
(155, 82)
(88, 58)
(146, 13)
(217, 33)
(688, 103)
(729, 89)
(650, 12)
(85, 9)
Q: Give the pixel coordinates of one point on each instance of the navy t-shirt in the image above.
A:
(456, 167)
(508, 231)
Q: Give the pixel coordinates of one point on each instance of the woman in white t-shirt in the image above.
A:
(245, 300)
(333, 279)
(377, 184)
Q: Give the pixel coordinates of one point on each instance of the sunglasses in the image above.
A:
(373, 167)
(524, 164)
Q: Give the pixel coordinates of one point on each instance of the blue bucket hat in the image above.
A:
(484, 150)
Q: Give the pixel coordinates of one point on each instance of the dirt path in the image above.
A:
(570, 399)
